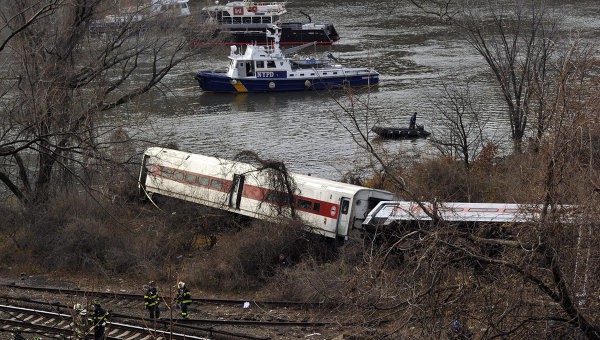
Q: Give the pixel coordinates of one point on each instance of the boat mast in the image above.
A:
(276, 37)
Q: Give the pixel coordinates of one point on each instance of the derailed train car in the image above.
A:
(329, 208)
(396, 212)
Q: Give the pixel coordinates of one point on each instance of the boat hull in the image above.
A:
(401, 133)
(291, 34)
(210, 81)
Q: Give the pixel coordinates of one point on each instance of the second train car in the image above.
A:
(329, 208)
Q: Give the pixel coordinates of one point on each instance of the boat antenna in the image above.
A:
(308, 16)
(332, 57)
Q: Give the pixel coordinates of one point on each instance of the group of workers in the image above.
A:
(97, 320)
(152, 300)
(99, 317)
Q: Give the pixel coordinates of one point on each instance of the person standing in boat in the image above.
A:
(413, 121)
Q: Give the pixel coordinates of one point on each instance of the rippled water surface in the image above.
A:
(412, 53)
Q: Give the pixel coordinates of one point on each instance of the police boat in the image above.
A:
(270, 69)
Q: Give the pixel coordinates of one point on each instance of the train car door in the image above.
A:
(143, 176)
(341, 229)
(237, 188)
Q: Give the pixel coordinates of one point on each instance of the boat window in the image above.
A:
(291, 74)
(324, 73)
(302, 74)
(256, 20)
(266, 20)
(247, 20)
(312, 74)
(225, 13)
(260, 64)
(237, 20)
(317, 207)
(334, 72)
(271, 63)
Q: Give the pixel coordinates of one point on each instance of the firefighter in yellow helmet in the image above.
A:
(184, 299)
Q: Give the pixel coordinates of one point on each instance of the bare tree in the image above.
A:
(62, 78)
(509, 280)
(516, 41)
(462, 124)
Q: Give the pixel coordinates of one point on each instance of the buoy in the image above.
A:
(271, 85)
(307, 83)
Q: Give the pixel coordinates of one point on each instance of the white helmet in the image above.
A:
(181, 284)
(77, 307)
(83, 312)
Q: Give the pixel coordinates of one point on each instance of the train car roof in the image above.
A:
(177, 159)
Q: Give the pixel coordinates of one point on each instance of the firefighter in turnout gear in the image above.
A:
(151, 301)
(99, 319)
(184, 298)
(80, 322)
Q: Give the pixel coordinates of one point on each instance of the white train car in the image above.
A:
(388, 213)
(330, 208)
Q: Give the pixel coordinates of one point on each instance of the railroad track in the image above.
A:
(60, 325)
(138, 297)
(138, 327)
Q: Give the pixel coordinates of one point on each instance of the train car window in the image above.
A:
(178, 175)
(190, 178)
(167, 173)
(216, 184)
(483, 209)
(276, 198)
(304, 204)
(203, 181)
(317, 207)
(345, 207)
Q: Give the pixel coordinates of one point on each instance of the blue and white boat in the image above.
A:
(269, 69)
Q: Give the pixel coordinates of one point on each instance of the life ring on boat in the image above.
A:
(271, 85)
(233, 81)
(307, 83)
(252, 9)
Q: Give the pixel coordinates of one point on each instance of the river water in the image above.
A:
(412, 52)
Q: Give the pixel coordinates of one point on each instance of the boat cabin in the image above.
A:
(173, 7)
(246, 12)
(265, 62)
